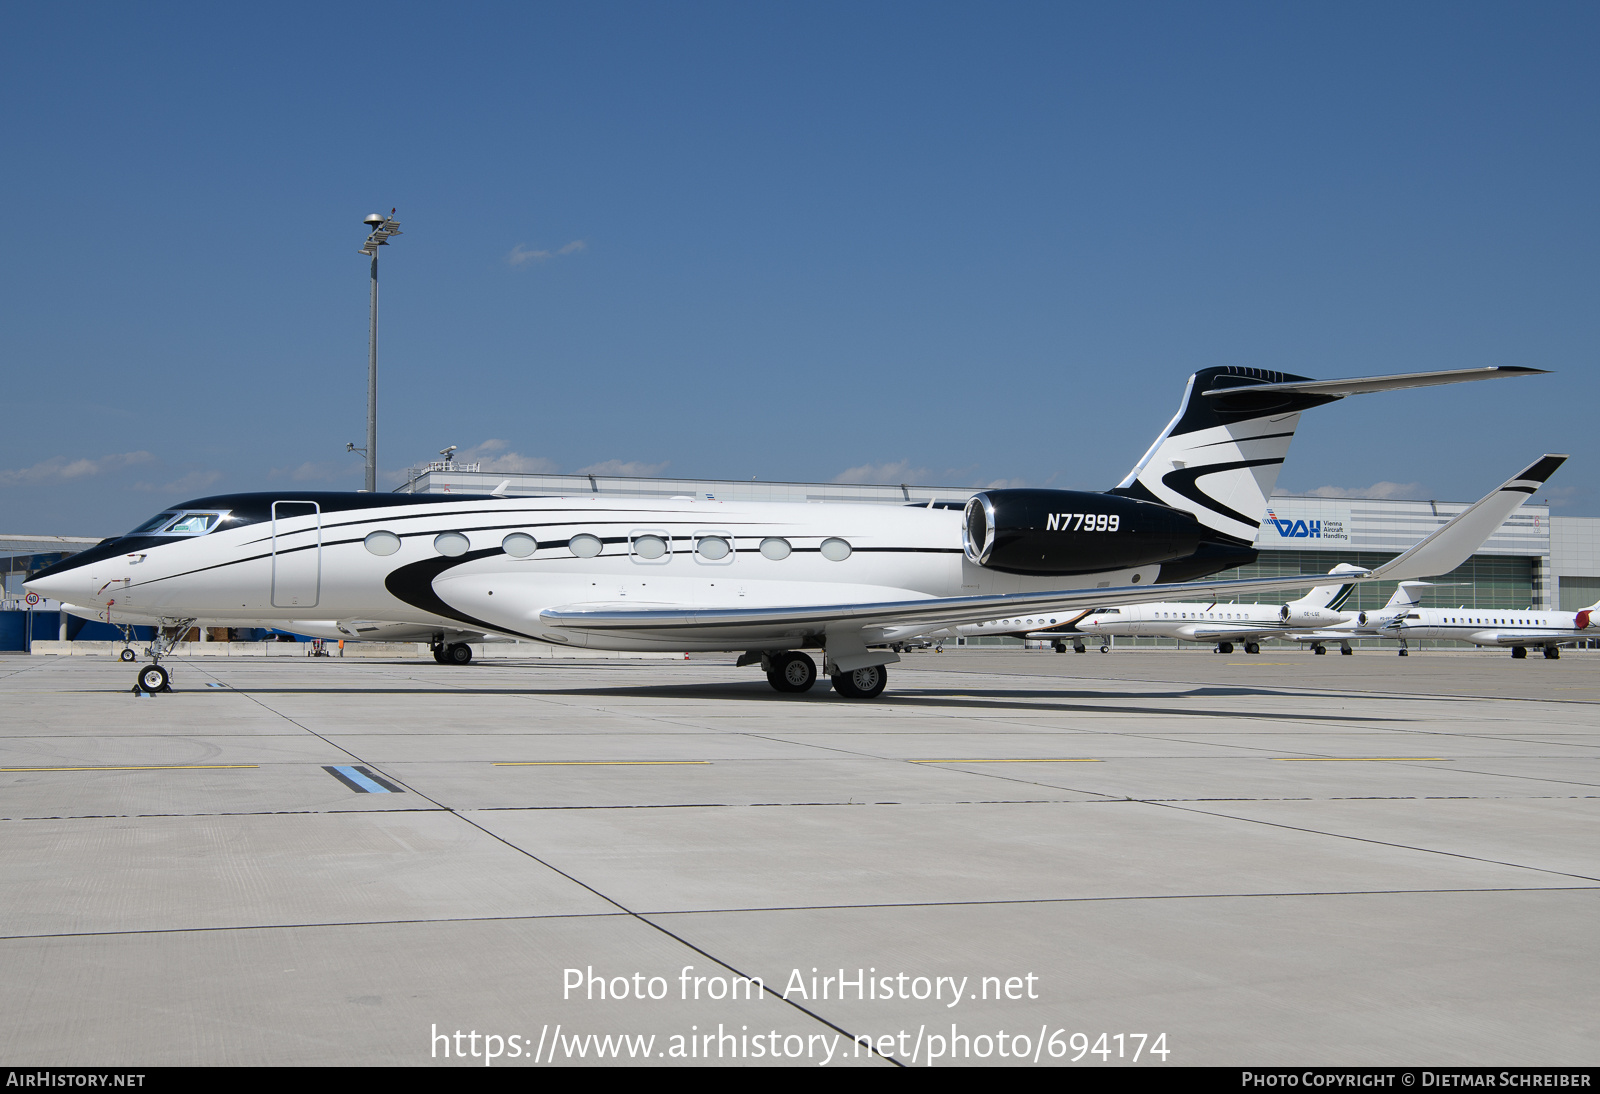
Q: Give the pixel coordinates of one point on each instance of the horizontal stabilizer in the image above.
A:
(1365, 385)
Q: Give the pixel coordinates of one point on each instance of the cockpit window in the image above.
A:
(157, 521)
(180, 523)
(192, 524)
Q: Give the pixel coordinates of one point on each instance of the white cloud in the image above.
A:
(491, 455)
(522, 256)
(1401, 491)
(632, 468)
(190, 484)
(61, 469)
(895, 473)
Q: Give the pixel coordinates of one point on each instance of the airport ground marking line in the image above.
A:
(1024, 760)
(596, 763)
(140, 767)
(1359, 759)
(1186, 808)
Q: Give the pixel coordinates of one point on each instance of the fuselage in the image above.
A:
(1492, 627)
(493, 564)
(1202, 622)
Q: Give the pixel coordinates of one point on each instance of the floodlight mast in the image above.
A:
(380, 228)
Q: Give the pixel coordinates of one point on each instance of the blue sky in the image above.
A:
(961, 244)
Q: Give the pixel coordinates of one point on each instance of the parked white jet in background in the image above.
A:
(1223, 624)
(1364, 624)
(1498, 627)
(770, 579)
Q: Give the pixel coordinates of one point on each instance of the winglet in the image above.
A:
(1449, 546)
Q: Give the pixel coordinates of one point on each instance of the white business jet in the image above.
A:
(1497, 627)
(769, 579)
(1364, 624)
(1214, 622)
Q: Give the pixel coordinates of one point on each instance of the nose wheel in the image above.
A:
(153, 678)
(128, 655)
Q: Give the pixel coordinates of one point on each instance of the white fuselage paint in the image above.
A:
(1493, 627)
(1203, 622)
(227, 576)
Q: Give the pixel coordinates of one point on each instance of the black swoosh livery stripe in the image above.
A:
(1184, 481)
(413, 584)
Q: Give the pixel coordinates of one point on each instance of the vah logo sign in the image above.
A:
(1285, 524)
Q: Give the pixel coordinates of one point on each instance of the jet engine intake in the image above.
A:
(1073, 532)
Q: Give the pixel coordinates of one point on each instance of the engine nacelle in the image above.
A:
(1294, 616)
(1073, 532)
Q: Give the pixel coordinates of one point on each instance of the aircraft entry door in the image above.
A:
(296, 554)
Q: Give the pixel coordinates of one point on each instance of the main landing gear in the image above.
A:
(456, 653)
(1519, 652)
(1319, 649)
(1552, 653)
(1224, 647)
(867, 683)
(791, 672)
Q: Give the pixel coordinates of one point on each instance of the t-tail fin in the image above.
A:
(1220, 455)
(1407, 595)
(1331, 597)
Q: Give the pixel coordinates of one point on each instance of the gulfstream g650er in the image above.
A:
(770, 580)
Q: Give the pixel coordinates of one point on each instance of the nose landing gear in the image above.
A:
(153, 678)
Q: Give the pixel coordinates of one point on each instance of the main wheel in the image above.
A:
(1346, 651)
(1224, 647)
(792, 672)
(128, 655)
(154, 678)
(1105, 649)
(1519, 652)
(1252, 648)
(1319, 649)
(438, 655)
(1407, 653)
(867, 683)
(1059, 647)
(458, 654)
(1079, 648)
(1552, 653)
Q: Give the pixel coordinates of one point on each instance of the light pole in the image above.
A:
(381, 228)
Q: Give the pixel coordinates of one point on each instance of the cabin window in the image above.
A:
(519, 545)
(584, 545)
(451, 544)
(835, 550)
(648, 546)
(713, 548)
(382, 543)
(776, 548)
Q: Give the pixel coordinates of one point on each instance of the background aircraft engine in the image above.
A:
(1073, 532)
(1307, 617)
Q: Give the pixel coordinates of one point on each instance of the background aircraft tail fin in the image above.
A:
(1331, 597)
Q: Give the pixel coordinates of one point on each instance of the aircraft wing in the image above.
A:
(1438, 554)
(929, 611)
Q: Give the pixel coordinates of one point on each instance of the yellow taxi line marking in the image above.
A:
(598, 763)
(145, 767)
(1025, 760)
(1258, 662)
(1356, 759)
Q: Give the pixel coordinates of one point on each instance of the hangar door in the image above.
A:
(296, 554)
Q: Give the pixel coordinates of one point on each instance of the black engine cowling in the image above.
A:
(1074, 532)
